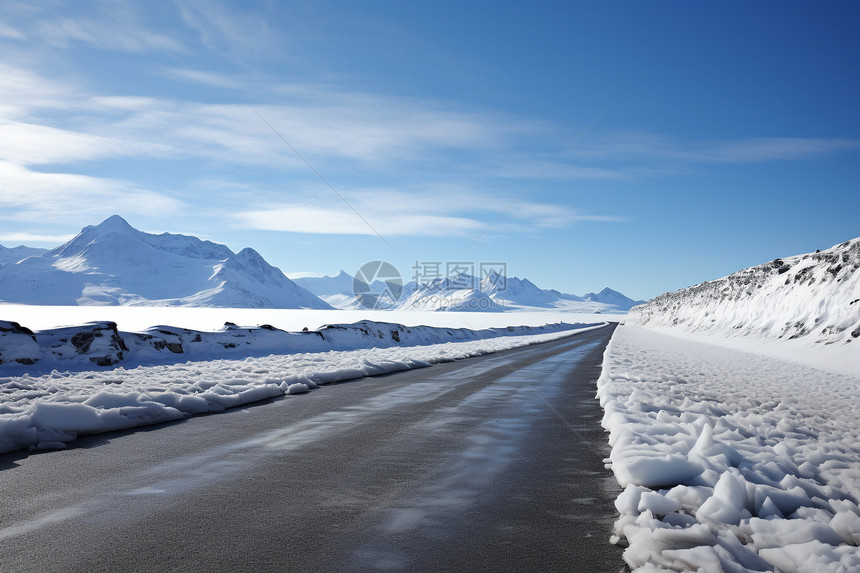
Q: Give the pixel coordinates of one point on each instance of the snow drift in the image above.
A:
(101, 344)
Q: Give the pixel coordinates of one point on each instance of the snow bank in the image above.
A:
(48, 410)
(814, 297)
(731, 461)
(102, 344)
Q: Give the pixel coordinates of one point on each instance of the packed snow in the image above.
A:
(731, 461)
(79, 395)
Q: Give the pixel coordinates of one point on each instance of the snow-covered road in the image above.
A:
(492, 463)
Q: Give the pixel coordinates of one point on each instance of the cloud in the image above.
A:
(324, 124)
(556, 216)
(232, 33)
(343, 221)
(29, 238)
(343, 131)
(202, 77)
(774, 149)
(30, 144)
(633, 148)
(7, 31)
(114, 26)
(23, 90)
(448, 212)
(39, 197)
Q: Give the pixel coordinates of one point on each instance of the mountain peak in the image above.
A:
(115, 224)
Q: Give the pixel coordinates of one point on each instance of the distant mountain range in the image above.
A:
(493, 293)
(15, 254)
(113, 263)
(338, 290)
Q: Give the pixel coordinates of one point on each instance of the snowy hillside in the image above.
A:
(113, 263)
(15, 254)
(815, 297)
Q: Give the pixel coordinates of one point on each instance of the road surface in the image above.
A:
(493, 463)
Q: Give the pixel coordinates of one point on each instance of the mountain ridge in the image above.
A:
(15, 254)
(113, 263)
(466, 292)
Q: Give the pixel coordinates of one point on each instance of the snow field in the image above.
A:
(731, 461)
(44, 412)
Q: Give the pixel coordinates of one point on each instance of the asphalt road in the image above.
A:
(487, 464)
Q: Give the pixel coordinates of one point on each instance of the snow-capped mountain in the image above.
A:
(496, 292)
(114, 263)
(449, 294)
(341, 283)
(815, 296)
(516, 292)
(612, 297)
(15, 254)
(338, 290)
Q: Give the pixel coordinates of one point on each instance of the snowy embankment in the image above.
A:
(809, 304)
(731, 461)
(47, 410)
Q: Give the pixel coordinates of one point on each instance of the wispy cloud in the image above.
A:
(32, 144)
(23, 91)
(774, 149)
(235, 34)
(7, 31)
(662, 149)
(202, 77)
(39, 197)
(30, 238)
(116, 25)
(443, 212)
(336, 221)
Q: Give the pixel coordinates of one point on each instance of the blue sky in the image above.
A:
(645, 146)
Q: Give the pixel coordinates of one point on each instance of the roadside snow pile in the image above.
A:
(46, 411)
(101, 344)
(815, 297)
(731, 461)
